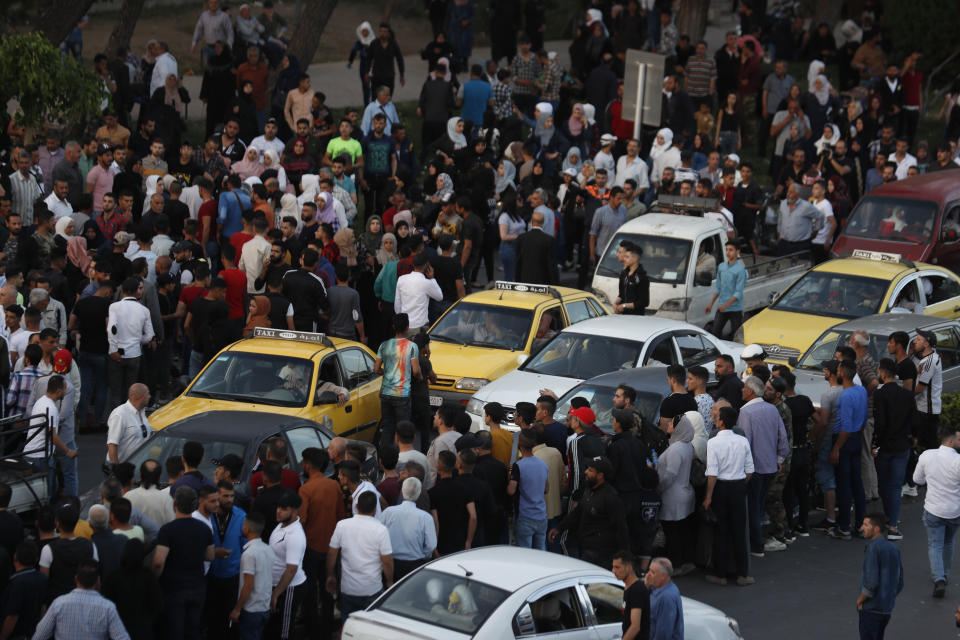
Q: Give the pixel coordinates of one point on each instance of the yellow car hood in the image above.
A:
(458, 361)
(787, 330)
(185, 406)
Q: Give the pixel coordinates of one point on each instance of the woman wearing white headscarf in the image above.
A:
(677, 495)
(831, 133)
(816, 68)
(271, 162)
(663, 154)
(388, 249)
(249, 166)
(191, 197)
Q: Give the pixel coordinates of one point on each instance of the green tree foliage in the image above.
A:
(928, 27)
(45, 85)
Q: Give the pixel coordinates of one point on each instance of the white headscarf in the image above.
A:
(151, 189)
(309, 186)
(446, 61)
(823, 141)
(365, 41)
(545, 108)
(815, 69)
(190, 196)
(658, 148)
(589, 112)
(823, 93)
(459, 140)
(276, 166)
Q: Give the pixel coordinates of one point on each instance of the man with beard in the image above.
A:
(276, 267)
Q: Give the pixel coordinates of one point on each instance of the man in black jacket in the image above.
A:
(599, 519)
(536, 254)
(893, 409)
(381, 55)
(306, 291)
(628, 455)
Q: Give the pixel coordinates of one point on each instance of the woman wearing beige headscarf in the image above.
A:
(676, 514)
(259, 315)
(347, 242)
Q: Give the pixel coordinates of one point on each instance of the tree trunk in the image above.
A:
(57, 18)
(691, 18)
(121, 34)
(388, 10)
(306, 36)
(827, 11)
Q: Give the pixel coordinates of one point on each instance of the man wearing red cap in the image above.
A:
(583, 447)
(66, 406)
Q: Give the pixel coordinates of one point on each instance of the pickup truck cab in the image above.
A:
(680, 256)
(917, 218)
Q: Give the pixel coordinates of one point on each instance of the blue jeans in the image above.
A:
(250, 625)
(940, 532)
(93, 382)
(873, 624)
(756, 500)
(531, 534)
(891, 465)
(728, 142)
(45, 465)
(508, 256)
(71, 479)
(349, 604)
(850, 483)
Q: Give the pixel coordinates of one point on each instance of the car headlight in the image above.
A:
(475, 407)
(470, 384)
(738, 335)
(676, 304)
(734, 626)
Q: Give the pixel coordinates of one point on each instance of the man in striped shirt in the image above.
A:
(701, 73)
(25, 190)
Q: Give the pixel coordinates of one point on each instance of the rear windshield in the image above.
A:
(453, 602)
(893, 219)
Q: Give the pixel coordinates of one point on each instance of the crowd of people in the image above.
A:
(131, 255)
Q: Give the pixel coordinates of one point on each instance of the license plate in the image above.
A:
(436, 401)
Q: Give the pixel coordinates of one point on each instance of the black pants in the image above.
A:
(680, 540)
(431, 131)
(729, 504)
(221, 597)
(319, 621)
(819, 253)
(375, 198)
(403, 567)
(600, 557)
(735, 318)
(281, 622)
(908, 123)
(380, 81)
(796, 490)
(785, 247)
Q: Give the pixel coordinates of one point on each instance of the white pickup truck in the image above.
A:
(680, 256)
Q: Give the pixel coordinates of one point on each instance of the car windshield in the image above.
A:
(664, 259)
(892, 219)
(573, 355)
(601, 401)
(484, 325)
(453, 602)
(257, 378)
(166, 444)
(826, 346)
(836, 295)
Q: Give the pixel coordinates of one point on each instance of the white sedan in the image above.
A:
(597, 346)
(495, 593)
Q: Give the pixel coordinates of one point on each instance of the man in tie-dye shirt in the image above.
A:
(397, 360)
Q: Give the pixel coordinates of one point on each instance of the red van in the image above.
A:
(917, 218)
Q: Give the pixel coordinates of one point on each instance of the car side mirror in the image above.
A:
(326, 397)
(525, 623)
(703, 279)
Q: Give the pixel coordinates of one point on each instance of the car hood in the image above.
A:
(846, 245)
(521, 386)
(810, 383)
(456, 361)
(380, 625)
(185, 406)
(790, 331)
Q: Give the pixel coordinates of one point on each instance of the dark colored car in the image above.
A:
(650, 383)
(917, 218)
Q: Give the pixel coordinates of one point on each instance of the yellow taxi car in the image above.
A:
(490, 333)
(289, 372)
(848, 288)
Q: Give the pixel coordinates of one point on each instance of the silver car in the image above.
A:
(509, 592)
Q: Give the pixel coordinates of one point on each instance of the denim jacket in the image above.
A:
(882, 576)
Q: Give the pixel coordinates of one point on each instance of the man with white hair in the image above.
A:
(127, 426)
(412, 532)
(764, 429)
(666, 606)
(797, 224)
(53, 315)
(109, 544)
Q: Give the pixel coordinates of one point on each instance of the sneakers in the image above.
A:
(839, 534)
(685, 569)
(774, 545)
(801, 531)
(712, 579)
(939, 589)
(907, 490)
(756, 554)
(745, 581)
(894, 534)
(824, 525)
(788, 537)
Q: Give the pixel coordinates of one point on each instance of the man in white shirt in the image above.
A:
(903, 159)
(268, 140)
(165, 65)
(604, 158)
(156, 503)
(128, 329)
(939, 469)
(254, 255)
(289, 544)
(127, 426)
(414, 292)
(406, 439)
(824, 238)
(363, 545)
(350, 480)
(413, 533)
(631, 166)
(57, 201)
(47, 425)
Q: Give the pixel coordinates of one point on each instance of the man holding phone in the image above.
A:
(414, 292)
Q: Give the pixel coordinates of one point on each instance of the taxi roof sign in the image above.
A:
(286, 334)
(523, 287)
(877, 256)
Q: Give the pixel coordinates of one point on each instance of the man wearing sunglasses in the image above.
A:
(127, 426)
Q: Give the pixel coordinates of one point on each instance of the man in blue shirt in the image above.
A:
(383, 106)
(224, 578)
(475, 96)
(233, 202)
(731, 278)
(881, 580)
(378, 165)
(845, 455)
(666, 607)
(413, 534)
(528, 478)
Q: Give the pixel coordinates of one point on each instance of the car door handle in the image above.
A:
(348, 408)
